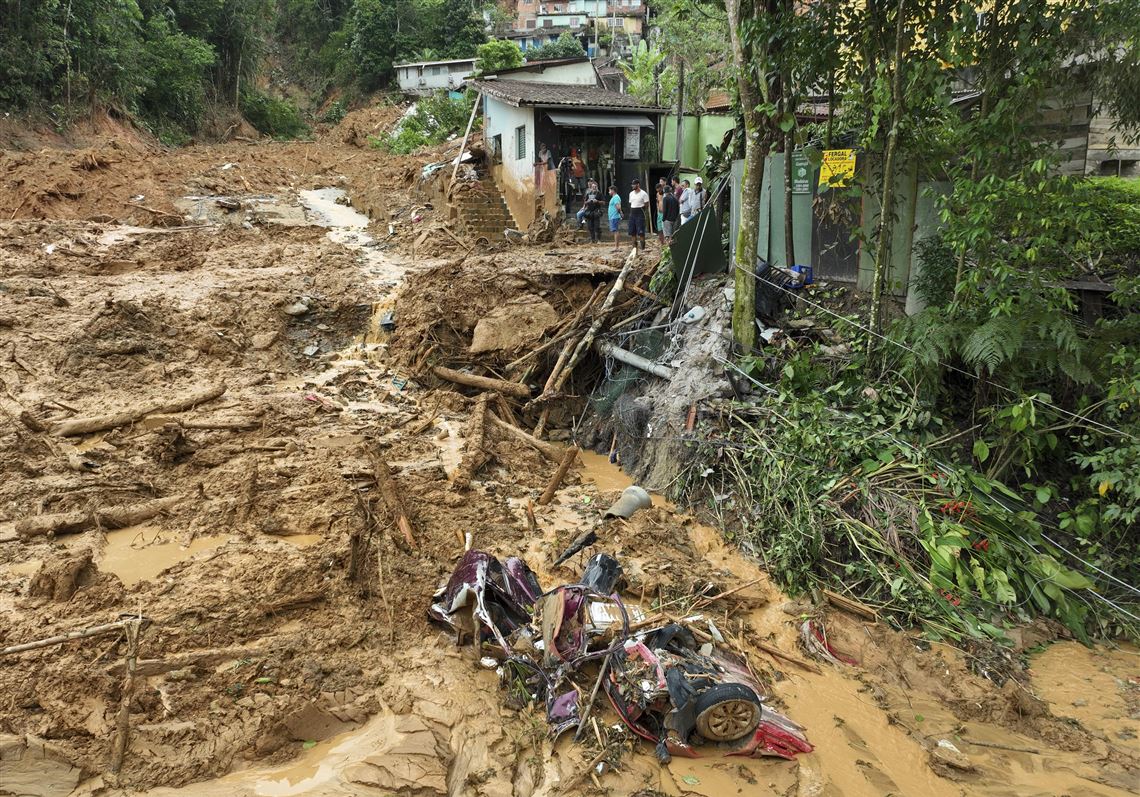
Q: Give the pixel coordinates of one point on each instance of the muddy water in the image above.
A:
(138, 553)
(1100, 688)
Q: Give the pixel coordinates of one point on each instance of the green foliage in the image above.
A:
(272, 116)
(641, 71)
(435, 119)
(371, 44)
(460, 30)
(496, 55)
(565, 46)
(335, 112)
(176, 66)
(832, 482)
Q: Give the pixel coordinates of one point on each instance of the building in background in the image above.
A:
(425, 77)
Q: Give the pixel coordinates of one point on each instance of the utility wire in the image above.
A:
(868, 330)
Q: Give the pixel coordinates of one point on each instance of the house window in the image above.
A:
(530, 24)
(520, 142)
(548, 23)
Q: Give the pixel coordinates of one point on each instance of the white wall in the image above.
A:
(581, 74)
(515, 176)
(420, 80)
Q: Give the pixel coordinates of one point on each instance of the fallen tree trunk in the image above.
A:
(636, 360)
(115, 517)
(548, 450)
(391, 497)
(134, 629)
(560, 474)
(99, 423)
(473, 454)
(146, 668)
(482, 382)
(83, 633)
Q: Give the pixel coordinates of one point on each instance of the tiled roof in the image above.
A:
(522, 92)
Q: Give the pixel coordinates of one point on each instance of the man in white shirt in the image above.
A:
(638, 203)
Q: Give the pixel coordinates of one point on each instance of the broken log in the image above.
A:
(559, 376)
(95, 630)
(482, 382)
(775, 652)
(473, 454)
(115, 517)
(851, 606)
(391, 497)
(548, 450)
(560, 474)
(636, 360)
(133, 627)
(531, 522)
(99, 423)
(145, 668)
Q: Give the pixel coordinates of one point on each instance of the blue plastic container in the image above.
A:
(805, 275)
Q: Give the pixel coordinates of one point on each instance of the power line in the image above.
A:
(868, 330)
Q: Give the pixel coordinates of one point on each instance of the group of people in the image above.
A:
(676, 204)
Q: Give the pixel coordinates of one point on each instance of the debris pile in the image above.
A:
(522, 325)
(677, 684)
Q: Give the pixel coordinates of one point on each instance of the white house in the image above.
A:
(606, 134)
(425, 77)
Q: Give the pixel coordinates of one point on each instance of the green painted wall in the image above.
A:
(700, 131)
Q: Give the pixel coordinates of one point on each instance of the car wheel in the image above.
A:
(727, 712)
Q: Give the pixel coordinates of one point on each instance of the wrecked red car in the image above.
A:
(666, 686)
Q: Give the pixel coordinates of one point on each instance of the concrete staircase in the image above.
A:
(481, 211)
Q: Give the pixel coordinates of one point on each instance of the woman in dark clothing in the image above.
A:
(593, 206)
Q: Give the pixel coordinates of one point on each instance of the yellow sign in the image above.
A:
(837, 168)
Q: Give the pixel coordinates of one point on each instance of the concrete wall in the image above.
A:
(514, 176)
(700, 131)
(581, 74)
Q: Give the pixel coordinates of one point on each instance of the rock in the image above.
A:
(1080, 703)
(263, 340)
(947, 754)
(296, 309)
(513, 325)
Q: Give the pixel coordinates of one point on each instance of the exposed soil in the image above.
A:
(288, 650)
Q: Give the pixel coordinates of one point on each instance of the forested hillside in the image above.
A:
(170, 63)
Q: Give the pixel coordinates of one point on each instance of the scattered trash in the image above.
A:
(694, 315)
(310, 351)
(665, 688)
(632, 499)
(814, 638)
(388, 321)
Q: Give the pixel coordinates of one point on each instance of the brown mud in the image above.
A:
(288, 650)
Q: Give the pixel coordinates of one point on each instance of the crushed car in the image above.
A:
(686, 697)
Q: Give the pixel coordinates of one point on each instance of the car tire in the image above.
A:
(727, 712)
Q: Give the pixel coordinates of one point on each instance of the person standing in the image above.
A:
(540, 167)
(670, 216)
(700, 196)
(686, 201)
(578, 170)
(581, 214)
(614, 215)
(662, 190)
(638, 202)
(593, 207)
(677, 187)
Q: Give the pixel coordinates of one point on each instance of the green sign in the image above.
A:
(801, 173)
